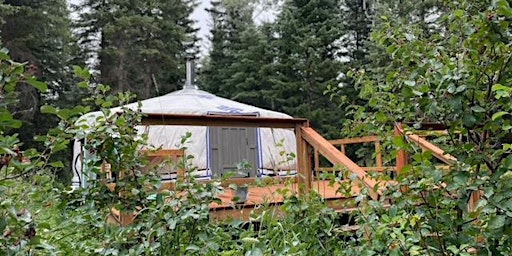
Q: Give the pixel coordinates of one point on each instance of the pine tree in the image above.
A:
(139, 45)
(425, 14)
(5, 10)
(307, 61)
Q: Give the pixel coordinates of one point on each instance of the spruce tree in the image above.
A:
(251, 70)
(229, 20)
(423, 14)
(358, 21)
(307, 61)
(139, 46)
(38, 32)
(239, 63)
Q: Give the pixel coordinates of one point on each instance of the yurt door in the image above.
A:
(233, 149)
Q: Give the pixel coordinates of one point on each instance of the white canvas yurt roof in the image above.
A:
(192, 101)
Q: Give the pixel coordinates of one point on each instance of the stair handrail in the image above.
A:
(335, 156)
(426, 145)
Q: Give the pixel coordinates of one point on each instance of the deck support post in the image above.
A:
(304, 177)
(401, 156)
(378, 156)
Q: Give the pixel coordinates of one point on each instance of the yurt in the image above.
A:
(216, 150)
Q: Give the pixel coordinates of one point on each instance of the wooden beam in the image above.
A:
(378, 155)
(219, 120)
(336, 157)
(401, 155)
(239, 182)
(436, 151)
(164, 152)
(304, 175)
(365, 139)
(316, 160)
(367, 169)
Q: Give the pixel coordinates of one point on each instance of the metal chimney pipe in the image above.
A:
(189, 83)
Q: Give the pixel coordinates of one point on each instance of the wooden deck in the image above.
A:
(272, 195)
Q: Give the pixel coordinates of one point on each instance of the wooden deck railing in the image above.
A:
(342, 144)
(306, 139)
(308, 142)
(335, 156)
(439, 154)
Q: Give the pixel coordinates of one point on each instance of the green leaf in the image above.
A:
(499, 87)
(469, 120)
(497, 222)
(381, 117)
(478, 109)
(82, 73)
(398, 142)
(41, 86)
(83, 85)
(499, 115)
(251, 240)
(409, 36)
(256, 252)
(504, 8)
(57, 164)
(508, 162)
(410, 83)
(193, 247)
(47, 109)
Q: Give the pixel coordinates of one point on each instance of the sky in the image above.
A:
(203, 23)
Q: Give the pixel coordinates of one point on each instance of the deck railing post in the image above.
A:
(316, 158)
(304, 177)
(378, 156)
(401, 156)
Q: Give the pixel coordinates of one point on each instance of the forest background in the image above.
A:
(353, 67)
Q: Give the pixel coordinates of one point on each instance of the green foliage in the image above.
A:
(306, 62)
(455, 71)
(456, 75)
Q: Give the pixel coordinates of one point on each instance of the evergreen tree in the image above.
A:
(358, 21)
(4, 11)
(139, 45)
(229, 20)
(307, 61)
(251, 70)
(38, 32)
(423, 14)
(239, 64)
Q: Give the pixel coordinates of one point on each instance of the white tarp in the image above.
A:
(197, 102)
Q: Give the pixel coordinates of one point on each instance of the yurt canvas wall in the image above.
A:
(206, 142)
